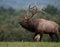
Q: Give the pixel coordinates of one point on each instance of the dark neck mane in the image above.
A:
(30, 26)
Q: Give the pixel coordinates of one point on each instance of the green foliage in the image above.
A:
(51, 9)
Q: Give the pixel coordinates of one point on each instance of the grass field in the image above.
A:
(29, 44)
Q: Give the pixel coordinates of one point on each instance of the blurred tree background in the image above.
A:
(10, 30)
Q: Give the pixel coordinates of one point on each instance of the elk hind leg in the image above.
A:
(51, 36)
(57, 36)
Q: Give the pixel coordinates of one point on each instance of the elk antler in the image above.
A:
(26, 14)
(34, 10)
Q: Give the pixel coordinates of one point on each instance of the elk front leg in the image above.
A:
(41, 36)
(37, 37)
(34, 37)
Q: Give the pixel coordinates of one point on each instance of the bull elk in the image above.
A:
(40, 26)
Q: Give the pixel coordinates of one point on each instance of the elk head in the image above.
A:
(27, 23)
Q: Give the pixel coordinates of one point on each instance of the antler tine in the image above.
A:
(43, 12)
(32, 7)
(26, 14)
(34, 11)
(29, 6)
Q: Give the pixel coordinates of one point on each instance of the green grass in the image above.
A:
(29, 44)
